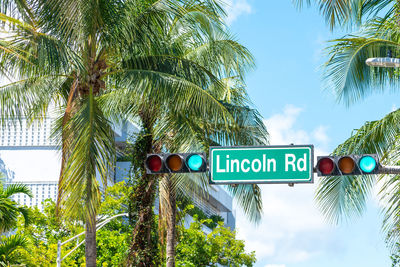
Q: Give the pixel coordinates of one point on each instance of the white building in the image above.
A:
(29, 156)
(41, 190)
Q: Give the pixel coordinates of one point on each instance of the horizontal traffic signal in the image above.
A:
(347, 165)
(176, 163)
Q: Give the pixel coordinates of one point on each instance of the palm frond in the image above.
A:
(345, 196)
(336, 12)
(28, 98)
(8, 246)
(26, 51)
(90, 153)
(249, 197)
(15, 189)
(185, 94)
(347, 74)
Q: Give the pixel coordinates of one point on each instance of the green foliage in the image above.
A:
(45, 230)
(10, 249)
(113, 239)
(12, 246)
(142, 193)
(196, 249)
(115, 200)
(395, 257)
(43, 234)
(9, 209)
(112, 247)
(346, 73)
(186, 206)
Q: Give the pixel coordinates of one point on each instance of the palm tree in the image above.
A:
(9, 209)
(196, 133)
(74, 55)
(214, 52)
(351, 79)
(9, 247)
(9, 212)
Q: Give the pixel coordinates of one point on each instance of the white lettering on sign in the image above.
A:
(233, 163)
(273, 162)
(242, 165)
(245, 165)
(302, 160)
(218, 168)
(290, 159)
(253, 165)
(290, 162)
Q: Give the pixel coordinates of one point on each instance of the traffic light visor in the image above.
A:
(367, 164)
(174, 162)
(154, 163)
(195, 162)
(326, 166)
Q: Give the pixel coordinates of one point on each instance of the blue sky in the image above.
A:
(286, 87)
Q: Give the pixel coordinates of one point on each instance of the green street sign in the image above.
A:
(264, 164)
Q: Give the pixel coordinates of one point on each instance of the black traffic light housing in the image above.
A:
(347, 165)
(176, 163)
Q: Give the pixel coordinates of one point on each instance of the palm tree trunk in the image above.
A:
(90, 237)
(142, 247)
(171, 222)
(143, 251)
(90, 243)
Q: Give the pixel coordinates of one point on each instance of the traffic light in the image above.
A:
(347, 165)
(176, 163)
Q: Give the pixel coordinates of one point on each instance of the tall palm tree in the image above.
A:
(213, 51)
(73, 55)
(351, 79)
(197, 133)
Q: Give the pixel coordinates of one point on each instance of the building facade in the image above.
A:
(29, 156)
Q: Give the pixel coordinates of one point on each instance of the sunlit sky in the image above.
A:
(286, 87)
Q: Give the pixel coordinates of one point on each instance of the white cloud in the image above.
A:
(280, 127)
(235, 8)
(290, 213)
(320, 134)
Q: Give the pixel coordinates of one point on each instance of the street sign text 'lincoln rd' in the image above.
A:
(266, 164)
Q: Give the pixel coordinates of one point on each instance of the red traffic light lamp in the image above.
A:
(154, 163)
(325, 166)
